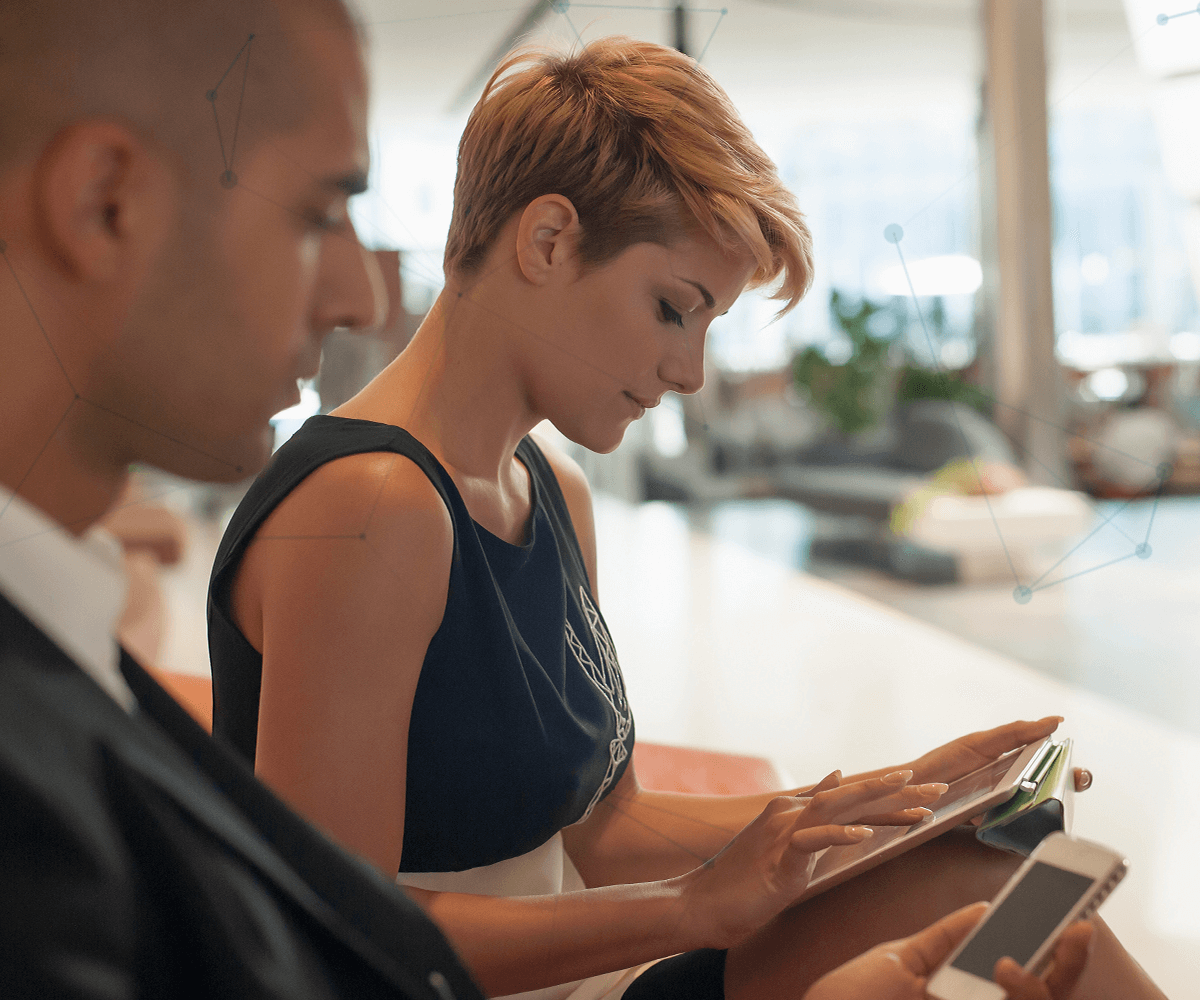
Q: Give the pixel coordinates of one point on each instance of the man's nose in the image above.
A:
(352, 292)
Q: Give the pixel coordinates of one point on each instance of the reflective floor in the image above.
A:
(726, 644)
(1121, 626)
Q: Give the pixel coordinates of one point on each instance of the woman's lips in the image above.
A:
(642, 407)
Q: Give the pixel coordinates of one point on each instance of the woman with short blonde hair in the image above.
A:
(405, 626)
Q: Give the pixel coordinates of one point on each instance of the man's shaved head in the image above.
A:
(163, 66)
(174, 236)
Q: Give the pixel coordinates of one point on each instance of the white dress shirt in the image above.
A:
(72, 588)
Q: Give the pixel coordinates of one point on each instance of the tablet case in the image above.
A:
(1043, 803)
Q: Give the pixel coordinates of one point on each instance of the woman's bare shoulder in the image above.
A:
(360, 530)
(380, 497)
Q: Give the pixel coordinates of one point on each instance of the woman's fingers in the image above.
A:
(904, 817)
(810, 839)
(831, 780)
(874, 796)
(851, 812)
(993, 742)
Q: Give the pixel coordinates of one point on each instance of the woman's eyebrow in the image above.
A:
(709, 301)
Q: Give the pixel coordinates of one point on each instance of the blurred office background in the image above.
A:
(977, 440)
(1077, 402)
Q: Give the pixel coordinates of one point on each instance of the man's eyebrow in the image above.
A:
(349, 184)
(709, 301)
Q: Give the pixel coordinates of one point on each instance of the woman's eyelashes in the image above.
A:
(669, 314)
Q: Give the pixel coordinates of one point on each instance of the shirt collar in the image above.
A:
(72, 588)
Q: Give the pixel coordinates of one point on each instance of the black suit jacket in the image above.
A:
(141, 858)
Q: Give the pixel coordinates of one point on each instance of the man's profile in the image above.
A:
(173, 253)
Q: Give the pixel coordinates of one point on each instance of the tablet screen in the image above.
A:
(958, 800)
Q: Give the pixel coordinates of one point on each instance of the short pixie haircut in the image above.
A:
(645, 145)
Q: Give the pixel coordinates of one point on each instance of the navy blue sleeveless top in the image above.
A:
(520, 723)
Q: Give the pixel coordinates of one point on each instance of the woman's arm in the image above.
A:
(635, 834)
(341, 591)
(514, 944)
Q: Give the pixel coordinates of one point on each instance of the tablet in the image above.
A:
(969, 796)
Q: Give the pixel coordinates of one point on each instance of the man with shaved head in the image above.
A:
(174, 246)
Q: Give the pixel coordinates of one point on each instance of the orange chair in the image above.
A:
(191, 691)
(662, 768)
(703, 772)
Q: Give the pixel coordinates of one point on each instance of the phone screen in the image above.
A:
(1028, 915)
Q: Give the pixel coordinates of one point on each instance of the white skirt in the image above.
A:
(544, 871)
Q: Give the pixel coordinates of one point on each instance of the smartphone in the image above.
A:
(1065, 879)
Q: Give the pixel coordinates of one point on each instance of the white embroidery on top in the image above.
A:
(607, 677)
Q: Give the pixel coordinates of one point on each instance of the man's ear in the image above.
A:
(103, 200)
(546, 237)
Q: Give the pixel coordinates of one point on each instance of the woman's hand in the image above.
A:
(971, 752)
(898, 970)
(767, 866)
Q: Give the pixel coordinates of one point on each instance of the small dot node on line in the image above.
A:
(228, 179)
(1022, 595)
(1162, 19)
(211, 95)
(893, 233)
(1143, 551)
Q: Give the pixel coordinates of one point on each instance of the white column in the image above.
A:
(1029, 386)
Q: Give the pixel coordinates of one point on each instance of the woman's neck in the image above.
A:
(456, 389)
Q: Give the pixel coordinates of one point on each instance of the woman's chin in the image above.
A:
(604, 443)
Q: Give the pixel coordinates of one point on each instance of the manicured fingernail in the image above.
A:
(859, 832)
(898, 777)
(935, 788)
(1085, 780)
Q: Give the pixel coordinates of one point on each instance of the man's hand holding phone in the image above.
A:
(899, 970)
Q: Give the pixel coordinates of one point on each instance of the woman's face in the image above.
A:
(622, 335)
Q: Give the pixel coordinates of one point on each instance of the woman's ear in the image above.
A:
(102, 199)
(546, 237)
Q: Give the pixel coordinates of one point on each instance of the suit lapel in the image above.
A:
(347, 895)
(163, 745)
